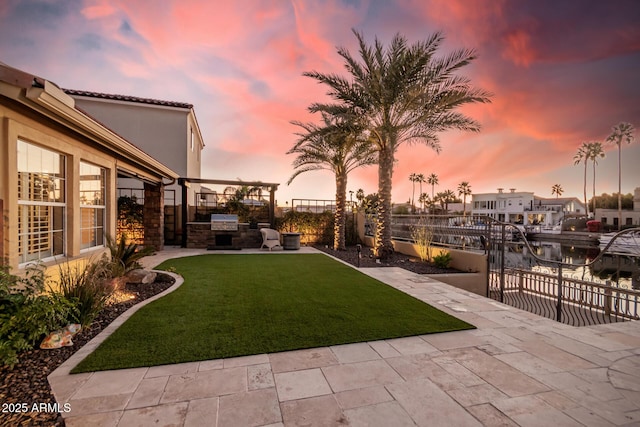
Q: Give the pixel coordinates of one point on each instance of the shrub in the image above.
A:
(26, 313)
(442, 260)
(125, 256)
(314, 227)
(422, 235)
(88, 287)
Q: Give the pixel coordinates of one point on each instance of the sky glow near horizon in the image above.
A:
(561, 73)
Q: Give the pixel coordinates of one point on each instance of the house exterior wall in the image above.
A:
(629, 217)
(17, 125)
(164, 132)
(58, 172)
(524, 207)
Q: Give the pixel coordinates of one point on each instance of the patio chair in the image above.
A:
(270, 238)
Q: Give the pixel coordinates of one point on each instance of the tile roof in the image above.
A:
(127, 98)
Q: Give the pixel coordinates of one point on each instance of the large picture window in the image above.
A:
(92, 205)
(41, 203)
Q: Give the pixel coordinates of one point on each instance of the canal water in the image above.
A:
(615, 269)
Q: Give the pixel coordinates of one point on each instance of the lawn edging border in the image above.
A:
(66, 367)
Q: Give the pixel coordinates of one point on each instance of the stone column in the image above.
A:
(153, 212)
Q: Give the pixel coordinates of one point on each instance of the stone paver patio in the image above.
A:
(515, 369)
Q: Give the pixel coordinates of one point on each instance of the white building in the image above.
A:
(629, 217)
(523, 207)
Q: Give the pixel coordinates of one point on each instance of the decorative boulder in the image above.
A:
(140, 276)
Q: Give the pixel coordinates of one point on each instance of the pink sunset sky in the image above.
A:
(562, 73)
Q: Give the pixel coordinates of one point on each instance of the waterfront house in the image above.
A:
(525, 208)
(630, 218)
(58, 173)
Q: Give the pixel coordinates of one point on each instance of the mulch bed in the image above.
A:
(26, 383)
(350, 255)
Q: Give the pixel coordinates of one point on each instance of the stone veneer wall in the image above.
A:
(153, 214)
(200, 235)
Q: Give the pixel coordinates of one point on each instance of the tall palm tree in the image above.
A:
(424, 199)
(402, 93)
(413, 178)
(621, 132)
(433, 181)
(338, 146)
(420, 179)
(557, 190)
(583, 156)
(595, 151)
(464, 190)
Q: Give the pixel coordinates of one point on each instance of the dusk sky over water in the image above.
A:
(561, 73)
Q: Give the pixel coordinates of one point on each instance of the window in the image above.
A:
(92, 205)
(192, 141)
(41, 203)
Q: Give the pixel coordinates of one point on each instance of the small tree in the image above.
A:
(422, 235)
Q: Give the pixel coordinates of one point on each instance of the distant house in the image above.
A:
(629, 217)
(523, 207)
(166, 130)
(58, 173)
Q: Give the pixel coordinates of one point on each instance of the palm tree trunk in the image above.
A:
(413, 196)
(339, 226)
(586, 205)
(620, 185)
(384, 246)
(594, 189)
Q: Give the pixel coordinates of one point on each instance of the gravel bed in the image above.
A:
(350, 255)
(26, 383)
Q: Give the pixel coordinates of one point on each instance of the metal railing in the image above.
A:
(565, 299)
(551, 294)
(580, 303)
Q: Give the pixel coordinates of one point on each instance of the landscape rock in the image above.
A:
(140, 276)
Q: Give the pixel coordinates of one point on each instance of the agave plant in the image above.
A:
(125, 256)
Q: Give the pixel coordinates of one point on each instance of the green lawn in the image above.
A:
(234, 305)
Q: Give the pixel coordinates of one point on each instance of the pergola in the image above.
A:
(185, 182)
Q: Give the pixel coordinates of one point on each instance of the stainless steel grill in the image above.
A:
(224, 222)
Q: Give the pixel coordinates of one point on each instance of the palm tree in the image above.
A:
(595, 151)
(402, 93)
(583, 156)
(557, 190)
(622, 132)
(464, 190)
(337, 146)
(433, 181)
(423, 199)
(420, 179)
(413, 178)
(445, 197)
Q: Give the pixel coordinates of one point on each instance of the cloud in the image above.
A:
(561, 73)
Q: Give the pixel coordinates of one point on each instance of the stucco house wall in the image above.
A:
(37, 116)
(166, 130)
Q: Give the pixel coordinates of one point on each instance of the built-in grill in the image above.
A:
(224, 222)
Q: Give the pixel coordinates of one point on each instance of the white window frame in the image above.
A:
(95, 208)
(28, 238)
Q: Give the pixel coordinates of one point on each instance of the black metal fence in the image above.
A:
(531, 282)
(544, 288)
